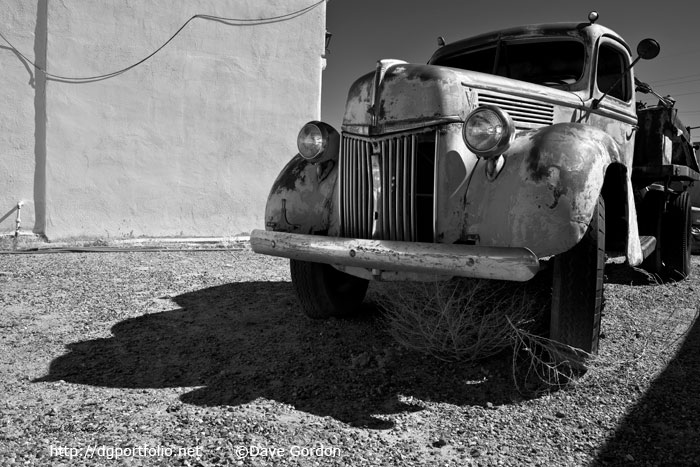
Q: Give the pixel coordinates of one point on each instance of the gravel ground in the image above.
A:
(203, 358)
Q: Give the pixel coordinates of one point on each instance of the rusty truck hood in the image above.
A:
(410, 96)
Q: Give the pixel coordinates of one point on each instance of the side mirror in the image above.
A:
(648, 49)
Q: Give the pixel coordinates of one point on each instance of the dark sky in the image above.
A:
(365, 31)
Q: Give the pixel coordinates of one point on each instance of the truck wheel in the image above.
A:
(577, 288)
(651, 223)
(324, 291)
(676, 247)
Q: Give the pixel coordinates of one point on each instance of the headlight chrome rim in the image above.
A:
(312, 141)
(497, 138)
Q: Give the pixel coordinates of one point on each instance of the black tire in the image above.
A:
(676, 246)
(324, 291)
(651, 219)
(577, 288)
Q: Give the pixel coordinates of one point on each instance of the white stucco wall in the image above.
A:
(17, 95)
(186, 144)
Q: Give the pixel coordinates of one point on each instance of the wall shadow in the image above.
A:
(40, 117)
(664, 427)
(243, 341)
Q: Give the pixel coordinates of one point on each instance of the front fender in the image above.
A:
(543, 198)
(303, 200)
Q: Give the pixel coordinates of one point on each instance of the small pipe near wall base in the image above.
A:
(18, 220)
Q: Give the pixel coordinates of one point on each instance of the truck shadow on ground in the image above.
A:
(624, 274)
(244, 341)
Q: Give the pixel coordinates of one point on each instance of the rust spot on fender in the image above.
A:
(558, 192)
(570, 143)
(293, 173)
(537, 172)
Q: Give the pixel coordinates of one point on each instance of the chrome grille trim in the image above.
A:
(525, 113)
(396, 156)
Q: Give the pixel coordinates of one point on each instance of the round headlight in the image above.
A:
(488, 131)
(312, 141)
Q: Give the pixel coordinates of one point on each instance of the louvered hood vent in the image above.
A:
(525, 113)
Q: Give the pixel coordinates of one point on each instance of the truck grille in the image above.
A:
(524, 112)
(387, 187)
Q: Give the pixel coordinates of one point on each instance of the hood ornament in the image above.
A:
(379, 72)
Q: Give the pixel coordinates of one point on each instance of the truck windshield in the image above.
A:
(556, 63)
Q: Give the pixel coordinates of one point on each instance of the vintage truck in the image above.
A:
(507, 153)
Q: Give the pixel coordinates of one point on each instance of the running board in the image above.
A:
(620, 257)
(648, 244)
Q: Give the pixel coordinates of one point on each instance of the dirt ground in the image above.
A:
(203, 358)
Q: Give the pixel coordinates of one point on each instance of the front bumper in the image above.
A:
(503, 263)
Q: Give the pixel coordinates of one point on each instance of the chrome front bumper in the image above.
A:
(503, 263)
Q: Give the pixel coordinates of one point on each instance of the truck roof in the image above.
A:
(585, 30)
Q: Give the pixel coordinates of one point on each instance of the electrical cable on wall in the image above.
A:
(228, 21)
